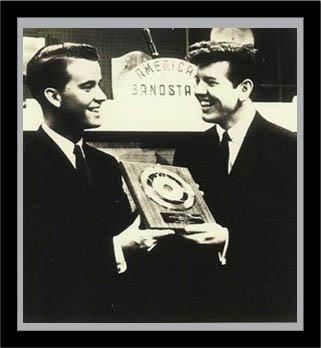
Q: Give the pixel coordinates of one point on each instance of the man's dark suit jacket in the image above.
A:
(69, 263)
(257, 203)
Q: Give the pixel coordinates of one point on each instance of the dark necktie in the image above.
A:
(82, 169)
(223, 155)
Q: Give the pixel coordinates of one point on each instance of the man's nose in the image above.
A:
(200, 88)
(100, 95)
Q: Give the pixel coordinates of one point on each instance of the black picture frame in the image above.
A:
(11, 337)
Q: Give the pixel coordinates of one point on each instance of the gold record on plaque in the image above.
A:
(167, 188)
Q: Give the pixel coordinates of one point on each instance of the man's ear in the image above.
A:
(53, 96)
(245, 88)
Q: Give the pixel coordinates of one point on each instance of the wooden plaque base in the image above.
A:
(156, 215)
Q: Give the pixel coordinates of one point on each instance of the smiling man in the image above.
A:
(66, 80)
(246, 167)
(78, 227)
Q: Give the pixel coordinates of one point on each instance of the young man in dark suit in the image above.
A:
(246, 167)
(78, 227)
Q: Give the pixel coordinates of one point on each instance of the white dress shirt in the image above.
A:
(237, 133)
(67, 147)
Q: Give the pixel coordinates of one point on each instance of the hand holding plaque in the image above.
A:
(166, 196)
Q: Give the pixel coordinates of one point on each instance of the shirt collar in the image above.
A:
(66, 145)
(239, 130)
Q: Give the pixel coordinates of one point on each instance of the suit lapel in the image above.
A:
(212, 143)
(53, 157)
(248, 157)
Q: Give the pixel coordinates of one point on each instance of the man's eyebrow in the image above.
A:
(88, 83)
(209, 78)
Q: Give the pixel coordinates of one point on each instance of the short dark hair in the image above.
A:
(47, 68)
(245, 60)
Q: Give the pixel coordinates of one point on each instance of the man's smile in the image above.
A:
(95, 109)
(206, 103)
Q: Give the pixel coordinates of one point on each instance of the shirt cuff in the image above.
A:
(119, 256)
(222, 256)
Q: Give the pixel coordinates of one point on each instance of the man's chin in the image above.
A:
(93, 125)
(209, 117)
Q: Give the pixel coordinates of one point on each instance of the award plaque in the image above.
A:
(166, 196)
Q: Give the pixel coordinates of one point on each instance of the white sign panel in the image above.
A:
(156, 95)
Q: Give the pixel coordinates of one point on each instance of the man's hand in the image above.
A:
(135, 238)
(207, 233)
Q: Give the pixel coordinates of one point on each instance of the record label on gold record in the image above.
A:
(167, 188)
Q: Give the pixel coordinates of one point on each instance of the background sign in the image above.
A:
(155, 95)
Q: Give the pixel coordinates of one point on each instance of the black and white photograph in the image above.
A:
(161, 170)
